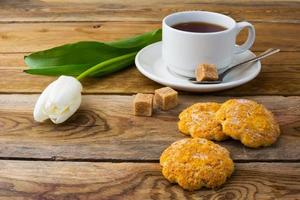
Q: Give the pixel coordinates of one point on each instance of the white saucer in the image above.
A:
(149, 62)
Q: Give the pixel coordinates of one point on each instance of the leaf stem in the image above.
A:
(105, 63)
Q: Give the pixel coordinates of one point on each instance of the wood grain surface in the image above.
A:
(273, 80)
(103, 151)
(105, 129)
(279, 76)
(143, 10)
(106, 181)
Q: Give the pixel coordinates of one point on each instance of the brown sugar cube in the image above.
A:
(166, 98)
(142, 104)
(206, 72)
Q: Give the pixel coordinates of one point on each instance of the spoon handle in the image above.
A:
(256, 58)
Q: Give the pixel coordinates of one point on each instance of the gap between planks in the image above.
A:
(144, 21)
(60, 159)
(128, 94)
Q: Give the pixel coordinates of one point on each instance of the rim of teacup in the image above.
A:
(202, 12)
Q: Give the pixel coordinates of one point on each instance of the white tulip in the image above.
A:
(59, 100)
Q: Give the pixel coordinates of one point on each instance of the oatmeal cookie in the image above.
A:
(247, 121)
(199, 120)
(196, 163)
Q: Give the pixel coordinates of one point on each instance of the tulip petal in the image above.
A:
(39, 114)
(65, 91)
(68, 112)
(64, 99)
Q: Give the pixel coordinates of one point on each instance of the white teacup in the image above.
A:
(182, 51)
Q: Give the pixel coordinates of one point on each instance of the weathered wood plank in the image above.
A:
(78, 180)
(29, 37)
(279, 77)
(155, 10)
(273, 80)
(104, 128)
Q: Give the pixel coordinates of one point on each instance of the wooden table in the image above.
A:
(103, 151)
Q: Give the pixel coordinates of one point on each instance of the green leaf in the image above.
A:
(80, 53)
(69, 70)
(74, 59)
(138, 42)
(109, 66)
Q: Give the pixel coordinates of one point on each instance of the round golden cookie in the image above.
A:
(249, 122)
(196, 163)
(199, 120)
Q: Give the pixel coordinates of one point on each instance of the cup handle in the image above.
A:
(251, 36)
